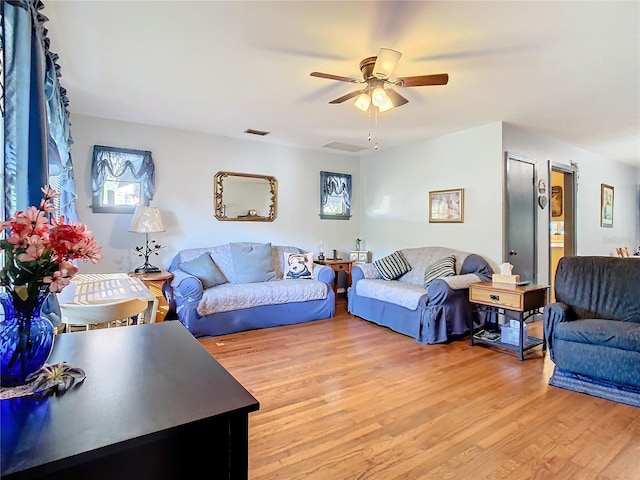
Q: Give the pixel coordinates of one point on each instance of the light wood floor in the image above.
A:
(344, 399)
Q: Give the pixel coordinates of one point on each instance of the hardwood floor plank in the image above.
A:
(343, 398)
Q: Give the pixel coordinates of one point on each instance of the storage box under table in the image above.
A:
(510, 333)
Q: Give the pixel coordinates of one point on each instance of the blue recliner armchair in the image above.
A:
(593, 328)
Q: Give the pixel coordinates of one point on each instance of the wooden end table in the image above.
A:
(525, 300)
(338, 265)
(155, 283)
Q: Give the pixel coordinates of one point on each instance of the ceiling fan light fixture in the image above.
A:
(363, 101)
(386, 62)
(388, 105)
(379, 97)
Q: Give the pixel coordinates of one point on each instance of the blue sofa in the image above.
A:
(593, 328)
(235, 305)
(404, 305)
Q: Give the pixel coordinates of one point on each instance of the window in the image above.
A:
(121, 178)
(335, 196)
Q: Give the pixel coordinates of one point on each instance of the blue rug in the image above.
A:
(582, 384)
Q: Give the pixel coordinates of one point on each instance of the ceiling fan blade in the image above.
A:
(334, 77)
(346, 97)
(424, 80)
(397, 99)
(385, 62)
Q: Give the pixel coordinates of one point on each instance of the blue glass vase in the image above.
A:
(26, 337)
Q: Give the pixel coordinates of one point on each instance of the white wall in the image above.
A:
(186, 163)
(396, 183)
(592, 239)
(390, 191)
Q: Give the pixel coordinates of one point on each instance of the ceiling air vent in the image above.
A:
(345, 147)
(256, 132)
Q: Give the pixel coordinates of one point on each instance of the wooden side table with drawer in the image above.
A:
(338, 266)
(525, 300)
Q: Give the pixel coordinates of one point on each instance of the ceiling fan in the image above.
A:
(376, 72)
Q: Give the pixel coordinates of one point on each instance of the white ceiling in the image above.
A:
(569, 70)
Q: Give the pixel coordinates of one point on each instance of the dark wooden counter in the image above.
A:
(154, 404)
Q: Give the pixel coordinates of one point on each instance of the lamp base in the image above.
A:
(147, 269)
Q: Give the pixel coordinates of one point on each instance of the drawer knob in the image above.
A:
(495, 298)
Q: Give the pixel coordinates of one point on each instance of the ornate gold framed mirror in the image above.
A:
(245, 197)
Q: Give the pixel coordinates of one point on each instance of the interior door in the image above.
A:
(562, 227)
(520, 195)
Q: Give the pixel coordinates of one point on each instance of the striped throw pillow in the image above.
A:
(392, 266)
(445, 267)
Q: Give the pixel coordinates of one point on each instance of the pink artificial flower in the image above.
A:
(25, 224)
(35, 236)
(49, 193)
(57, 282)
(73, 241)
(34, 248)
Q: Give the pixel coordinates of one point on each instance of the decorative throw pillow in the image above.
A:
(252, 262)
(445, 267)
(205, 269)
(392, 266)
(298, 265)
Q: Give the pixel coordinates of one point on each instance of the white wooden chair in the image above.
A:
(115, 313)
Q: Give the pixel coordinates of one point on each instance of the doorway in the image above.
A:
(562, 226)
(520, 242)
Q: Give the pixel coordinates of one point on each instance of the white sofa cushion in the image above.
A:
(399, 293)
(235, 296)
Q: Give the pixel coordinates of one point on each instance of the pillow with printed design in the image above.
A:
(298, 265)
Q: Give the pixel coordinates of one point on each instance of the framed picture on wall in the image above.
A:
(556, 201)
(335, 196)
(606, 205)
(446, 206)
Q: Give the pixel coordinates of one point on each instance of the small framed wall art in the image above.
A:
(446, 206)
(556, 201)
(606, 205)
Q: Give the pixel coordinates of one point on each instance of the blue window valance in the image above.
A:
(121, 178)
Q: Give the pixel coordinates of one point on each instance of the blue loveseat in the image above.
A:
(593, 328)
(430, 315)
(223, 298)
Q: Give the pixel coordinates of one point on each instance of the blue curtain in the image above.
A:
(35, 119)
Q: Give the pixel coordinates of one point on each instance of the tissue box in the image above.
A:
(499, 278)
(511, 333)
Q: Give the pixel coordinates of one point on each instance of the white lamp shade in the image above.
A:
(363, 101)
(388, 105)
(146, 220)
(379, 96)
(386, 62)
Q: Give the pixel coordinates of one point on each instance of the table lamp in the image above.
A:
(147, 220)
